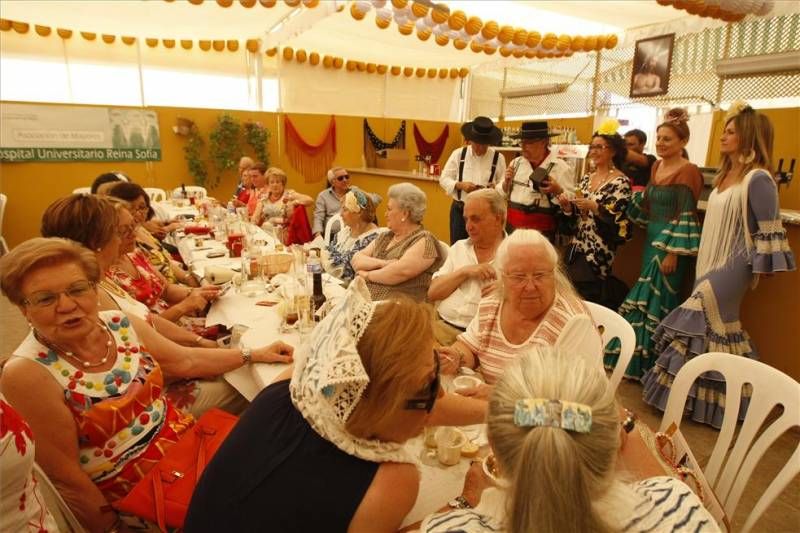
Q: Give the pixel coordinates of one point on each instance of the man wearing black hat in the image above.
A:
(534, 180)
(472, 167)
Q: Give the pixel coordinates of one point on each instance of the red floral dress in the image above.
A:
(147, 288)
(21, 505)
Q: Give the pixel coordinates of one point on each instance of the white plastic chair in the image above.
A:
(614, 326)
(192, 190)
(55, 503)
(82, 190)
(3, 243)
(771, 387)
(155, 194)
(330, 224)
(445, 248)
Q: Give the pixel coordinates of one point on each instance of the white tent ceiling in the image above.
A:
(325, 30)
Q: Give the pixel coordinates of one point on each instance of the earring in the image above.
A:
(749, 159)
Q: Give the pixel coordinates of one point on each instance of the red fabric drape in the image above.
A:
(298, 229)
(435, 148)
(312, 161)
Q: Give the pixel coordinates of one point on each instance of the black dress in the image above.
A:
(275, 473)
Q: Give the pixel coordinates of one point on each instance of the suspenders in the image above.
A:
(461, 161)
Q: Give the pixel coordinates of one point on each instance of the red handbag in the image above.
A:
(162, 496)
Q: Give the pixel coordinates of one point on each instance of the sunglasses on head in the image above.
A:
(342, 177)
(426, 404)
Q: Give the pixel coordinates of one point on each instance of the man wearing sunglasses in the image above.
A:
(533, 181)
(329, 201)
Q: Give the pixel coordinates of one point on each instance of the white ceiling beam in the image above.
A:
(297, 22)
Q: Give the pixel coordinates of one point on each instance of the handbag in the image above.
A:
(163, 495)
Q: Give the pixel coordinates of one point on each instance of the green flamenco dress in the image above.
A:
(668, 213)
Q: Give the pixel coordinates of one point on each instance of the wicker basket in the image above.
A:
(277, 263)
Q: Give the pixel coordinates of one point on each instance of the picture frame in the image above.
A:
(652, 62)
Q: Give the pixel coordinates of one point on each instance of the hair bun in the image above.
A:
(677, 115)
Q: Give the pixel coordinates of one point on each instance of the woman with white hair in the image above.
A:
(534, 304)
(403, 259)
(554, 428)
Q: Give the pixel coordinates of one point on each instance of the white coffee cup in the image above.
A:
(465, 382)
(449, 441)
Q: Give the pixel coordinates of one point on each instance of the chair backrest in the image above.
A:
(55, 503)
(770, 388)
(192, 190)
(335, 219)
(82, 190)
(3, 244)
(445, 249)
(155, 194)
(614, 326)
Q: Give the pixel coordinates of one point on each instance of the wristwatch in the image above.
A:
(247, 356)
(629, 422)
(459, 502)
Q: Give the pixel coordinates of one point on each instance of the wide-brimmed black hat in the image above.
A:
(534, 130)
(482, 131)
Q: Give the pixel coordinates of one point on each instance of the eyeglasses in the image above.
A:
(42, 299)
(426, 404)
(342, 177)
(519, 280)
(597, 147)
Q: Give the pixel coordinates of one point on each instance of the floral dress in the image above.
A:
(742, 237)
(595, 237)
(21, 504)
(342, 249)
(124, 421)
(668, 212)
(147, 288)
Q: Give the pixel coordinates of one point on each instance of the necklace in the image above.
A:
(112, 287)
(605, 180)
(86, 364)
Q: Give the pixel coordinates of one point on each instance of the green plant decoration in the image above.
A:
(225, 145)
(192, 151)
(257, 137)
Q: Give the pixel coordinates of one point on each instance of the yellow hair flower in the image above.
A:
(608, 127)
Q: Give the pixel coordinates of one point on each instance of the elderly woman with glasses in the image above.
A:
(534, 304)
(325, 451)
(154, 250)
(91, 383)
(403, 259)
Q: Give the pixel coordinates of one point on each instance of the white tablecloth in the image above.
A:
(172, 211)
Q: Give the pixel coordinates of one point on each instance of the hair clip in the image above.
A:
(572, 416)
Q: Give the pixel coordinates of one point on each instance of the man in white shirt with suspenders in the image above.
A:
(534, 180)
(472, 167)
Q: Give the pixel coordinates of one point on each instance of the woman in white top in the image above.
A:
(555, 430)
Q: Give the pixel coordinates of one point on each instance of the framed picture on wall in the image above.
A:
(652, 60)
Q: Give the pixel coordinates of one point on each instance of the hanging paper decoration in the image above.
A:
(433, 149)
(399, 140)
(373, 144)
(312, 161)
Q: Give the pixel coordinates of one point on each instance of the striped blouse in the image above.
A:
(662, 504)
(485, 337)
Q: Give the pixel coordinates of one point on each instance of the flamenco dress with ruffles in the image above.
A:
(667, 209)
(742, 237)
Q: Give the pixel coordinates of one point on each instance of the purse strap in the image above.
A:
(203, 433)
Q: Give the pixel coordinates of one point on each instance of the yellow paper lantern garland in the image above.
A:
(464, 31)
(352, 65)
(727, 10)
